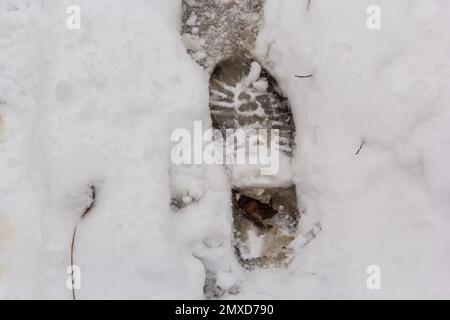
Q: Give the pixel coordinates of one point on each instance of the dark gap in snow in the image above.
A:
(243, 94)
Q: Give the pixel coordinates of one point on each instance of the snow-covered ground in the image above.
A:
(97, 106)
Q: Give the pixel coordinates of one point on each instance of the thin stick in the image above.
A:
(304, 77)
(72, 260)
(360, 147)
(91, 205)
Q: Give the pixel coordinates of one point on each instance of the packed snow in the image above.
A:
(97, 106)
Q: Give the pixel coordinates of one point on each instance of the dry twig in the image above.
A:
(305, 76)
(360, 147)
(88, 209)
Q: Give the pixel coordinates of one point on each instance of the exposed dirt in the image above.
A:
(220, 36)
(272, 215)
(244, 94)
(215, 29)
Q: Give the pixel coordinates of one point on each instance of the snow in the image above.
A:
(386, 206)
(253, 75)
(97, 106)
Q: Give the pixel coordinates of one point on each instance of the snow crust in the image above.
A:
(97, 106)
